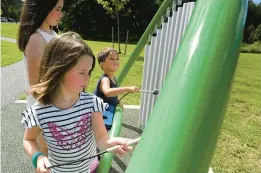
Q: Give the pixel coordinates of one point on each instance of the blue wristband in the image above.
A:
(34, 158)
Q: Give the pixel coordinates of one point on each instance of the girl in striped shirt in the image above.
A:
(71, 120)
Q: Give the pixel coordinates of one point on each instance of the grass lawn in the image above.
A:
(9, 30)
(239, 144)
(10, 53)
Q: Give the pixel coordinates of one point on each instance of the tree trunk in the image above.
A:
(118, 23)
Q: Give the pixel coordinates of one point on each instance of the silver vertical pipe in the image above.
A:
(147, 77)
(144, 83)
(162, 49)
(154, 51)
(187, 8)
(178, 24)
(180, 33)
(171, 24)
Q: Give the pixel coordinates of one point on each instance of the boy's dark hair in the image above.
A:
(34, 12)
(61, 54)
(102, 55)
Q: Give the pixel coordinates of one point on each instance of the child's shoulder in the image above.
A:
(36, 108)
(31, 116)
(87, 96)
(96, 102)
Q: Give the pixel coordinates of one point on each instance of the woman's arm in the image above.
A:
(34, 51)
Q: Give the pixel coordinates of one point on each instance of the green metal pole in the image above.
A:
(183, 129)
(106, 160)
(144, 38)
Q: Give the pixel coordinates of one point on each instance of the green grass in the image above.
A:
(10, 53)
(239, 144)
(9, 30)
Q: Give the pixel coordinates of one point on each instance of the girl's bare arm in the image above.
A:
(34, 51)
(99, 130)
(29, 141)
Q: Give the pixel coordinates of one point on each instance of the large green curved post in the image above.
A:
(144, 39)
(184, 126)
(106, 160)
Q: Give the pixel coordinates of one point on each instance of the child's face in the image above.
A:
(111, 63)
(55, 15)
(78, 77)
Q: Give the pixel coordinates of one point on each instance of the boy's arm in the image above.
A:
(113, 92)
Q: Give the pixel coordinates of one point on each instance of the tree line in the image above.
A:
(94, 19)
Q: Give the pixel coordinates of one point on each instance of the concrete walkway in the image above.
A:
(12, 80)
(9, 39)
(12, 83)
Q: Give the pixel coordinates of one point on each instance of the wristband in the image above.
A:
(34, 158)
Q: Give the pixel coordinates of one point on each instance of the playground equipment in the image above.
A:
(160, 51)
(183, 127)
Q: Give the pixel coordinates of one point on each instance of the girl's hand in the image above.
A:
(122, 148)
(42, 164)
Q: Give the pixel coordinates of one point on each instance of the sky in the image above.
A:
(257, 1)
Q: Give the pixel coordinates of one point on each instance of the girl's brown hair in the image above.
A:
(61, 55)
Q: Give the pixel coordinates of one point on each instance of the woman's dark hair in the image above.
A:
(34, 12)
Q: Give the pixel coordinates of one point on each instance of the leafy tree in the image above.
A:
(113, 8)
(257, 34)
(87, 18)
(253, 19)
(11, 8)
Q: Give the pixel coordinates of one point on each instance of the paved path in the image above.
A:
(12, 80)
(9, 39)
(12, 83)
